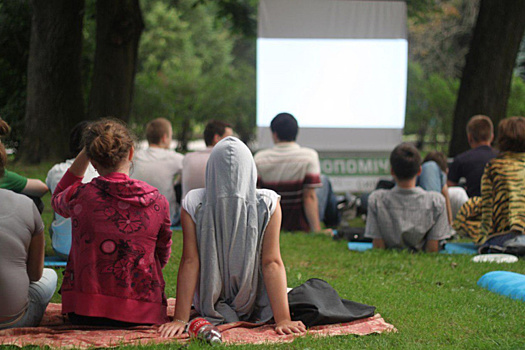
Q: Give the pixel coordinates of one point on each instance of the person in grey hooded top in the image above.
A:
(231, 265)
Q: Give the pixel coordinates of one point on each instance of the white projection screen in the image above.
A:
(338, 66)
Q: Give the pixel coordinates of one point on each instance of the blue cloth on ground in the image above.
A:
(460, 248)
(176, 228)
(54, 261)
(450, 248)
(509, 284)
(359, 246)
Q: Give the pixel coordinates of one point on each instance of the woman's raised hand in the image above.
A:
(290, 327)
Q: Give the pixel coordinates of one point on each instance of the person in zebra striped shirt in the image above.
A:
(503, 190)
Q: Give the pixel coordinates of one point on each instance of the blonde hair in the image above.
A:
(156, 129)
(480, 128)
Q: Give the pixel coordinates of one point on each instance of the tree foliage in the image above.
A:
(439, 34)
(186, 70)
(430, 105)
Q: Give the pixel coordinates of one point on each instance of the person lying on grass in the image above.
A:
(231, 264)
(406, 216)
(121, 236)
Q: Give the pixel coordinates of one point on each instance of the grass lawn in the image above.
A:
(432, 299)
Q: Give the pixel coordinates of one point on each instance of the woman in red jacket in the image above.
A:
(121, 235)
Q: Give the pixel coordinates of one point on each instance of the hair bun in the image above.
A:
(108, 142)
(5, 129)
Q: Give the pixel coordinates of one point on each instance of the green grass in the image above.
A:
(432, 299)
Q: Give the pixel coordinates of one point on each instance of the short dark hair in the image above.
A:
(214, 127)
(285, 126)
(156, 129)
(480, 128)
(405, 161)
(439, 158)
(75, 138)
(511, 135)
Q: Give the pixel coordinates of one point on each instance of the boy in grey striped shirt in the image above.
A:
(406, 216)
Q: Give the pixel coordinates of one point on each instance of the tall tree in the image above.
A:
(119, 26)
(486, 80)
(54, 87)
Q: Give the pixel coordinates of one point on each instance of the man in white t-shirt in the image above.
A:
(159, 166)
(60, 229)
(194, 164)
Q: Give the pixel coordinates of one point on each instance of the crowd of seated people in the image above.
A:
(114, 207)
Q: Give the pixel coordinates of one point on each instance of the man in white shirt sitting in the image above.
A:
(60, 229)
(194, 164)
(159, 166)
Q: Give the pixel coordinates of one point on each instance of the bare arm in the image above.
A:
(80, 165)
(378, 243)
(275, 278)
(311, 209)
(452, 183)
(72, 178)
(35, 257)
(186, 278)
(444, 191)
(35, 188)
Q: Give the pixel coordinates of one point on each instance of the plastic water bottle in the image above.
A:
(202, 329)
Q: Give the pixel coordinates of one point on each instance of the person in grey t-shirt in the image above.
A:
(25, 286)
(406, 216)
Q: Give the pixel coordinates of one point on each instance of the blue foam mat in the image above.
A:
(509, 284)
(54, 261)
(359, 246)
(460, 248)
(450, 248)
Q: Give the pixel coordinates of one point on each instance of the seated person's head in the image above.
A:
(284, 127)
(109, 145)
(215, 131)
(75, 138)
(405, 162)
(480, 130)
(511, 135)
(439, 158)
(4, 130)
(159, 132)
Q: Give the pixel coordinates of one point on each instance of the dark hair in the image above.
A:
(405, 161)
(156, 129)
(214, 127)
(285, 126)
(439, 158)
(511, 135)
(108, 142)
(4, 130)
(480, 128)
(75, 138)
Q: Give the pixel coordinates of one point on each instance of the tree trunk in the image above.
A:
(119, 26)
(54, 87)
(183, 136)
(486, 80)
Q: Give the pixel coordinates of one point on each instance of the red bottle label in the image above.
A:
(195, 326)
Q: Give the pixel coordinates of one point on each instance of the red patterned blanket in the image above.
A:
(56, 332)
